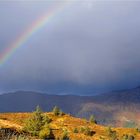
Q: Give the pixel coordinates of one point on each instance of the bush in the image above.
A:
(112, 134)
(88, 132)
(46, 119)
(131, 137)
(82, 129)
(138, 130)
(128, 137)
(109, 130)
(125, 137)
(45, 133)
(75, 130)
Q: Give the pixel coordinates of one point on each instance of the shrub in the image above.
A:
(109, 130)
(45, 133)
(125, 137)
(92, 119)
(88, 132)
(46, 119)
(101, 138)
(82, 129)
(138, 130)
(112, 134)
(75, 130)
(131, 137)
(128, 137)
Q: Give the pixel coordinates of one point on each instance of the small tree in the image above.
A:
(112, 134)
(82, 129)
(75, 130)
(109, 130)
(92, 119)
(35, 122)
(56, 111)
(61, 113)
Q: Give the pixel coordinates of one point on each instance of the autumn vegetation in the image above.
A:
(60, 126)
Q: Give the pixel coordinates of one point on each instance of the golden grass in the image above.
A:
(69, 123)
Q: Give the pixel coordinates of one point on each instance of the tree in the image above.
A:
(75, 130)
(92, 119)
(82, 129)
(36, 122)
(56, 111)
(61, 113)
(109, 130)
(112, 134)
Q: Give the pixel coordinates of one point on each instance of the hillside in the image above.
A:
(66, 122)
(118, 108)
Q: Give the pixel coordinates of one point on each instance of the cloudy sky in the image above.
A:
(87, 47)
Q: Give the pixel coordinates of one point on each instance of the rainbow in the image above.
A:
(29, 32)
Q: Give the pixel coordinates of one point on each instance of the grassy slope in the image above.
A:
(65, 122)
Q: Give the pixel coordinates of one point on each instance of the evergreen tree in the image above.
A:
(56, 111)
(92, 119)
(34, 124)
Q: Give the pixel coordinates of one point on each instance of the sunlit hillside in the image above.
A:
(73, 128)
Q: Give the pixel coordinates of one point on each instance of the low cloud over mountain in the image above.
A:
(92, 44)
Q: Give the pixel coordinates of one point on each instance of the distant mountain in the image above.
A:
(119, 107)
(122, 96)
(24, 101)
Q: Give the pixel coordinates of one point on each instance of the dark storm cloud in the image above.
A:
(89, 44)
